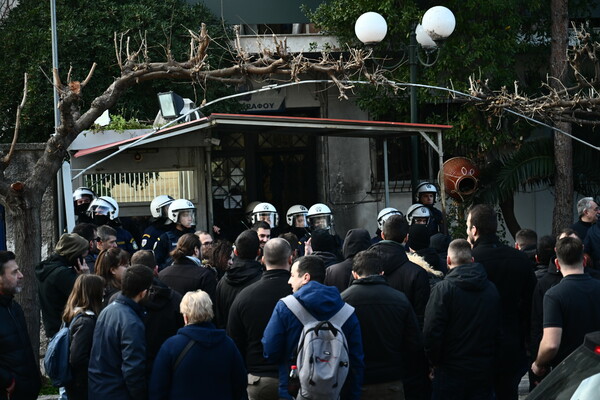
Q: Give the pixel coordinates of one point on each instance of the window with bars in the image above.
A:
(134, 187)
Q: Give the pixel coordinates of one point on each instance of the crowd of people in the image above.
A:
(187, 317)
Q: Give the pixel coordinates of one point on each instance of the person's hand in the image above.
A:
(308, 250)
(539, 370)
(216, 230)
(431, 373)
(82, 266)
(11, 389)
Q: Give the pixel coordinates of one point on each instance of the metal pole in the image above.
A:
(414, 140)
(386, 173)
(61, 196)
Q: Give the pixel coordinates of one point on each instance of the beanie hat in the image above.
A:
(418, 237)
(321, 240)
(71, 245)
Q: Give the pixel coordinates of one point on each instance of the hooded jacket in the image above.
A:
(327, 257)
(56, 278)
(282, 333)
(340, 274)
(212, 369)
(404, 275)
(163, 319)
(462, 323)
(242, 273)
(16, 354)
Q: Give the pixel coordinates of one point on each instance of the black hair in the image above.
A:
(367, 263)
(395, 228)
(292, 239)
(86, 230)
(247, 244)
(527, 236)
(260, 224)
(545, 249)
(483, 217)
(313, 266)
(569, 251)
(136, 279)
(5, 256)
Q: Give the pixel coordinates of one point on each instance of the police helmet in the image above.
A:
(426, 187)
(104, 205)
(265, 212)
(384, 215)
(83, 191)
(320, 216)
(157, 204)
(417, 211)
(296, 216)
(180, 206)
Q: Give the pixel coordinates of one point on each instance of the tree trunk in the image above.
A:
(25, 210)
(563, 146)
(508, 213)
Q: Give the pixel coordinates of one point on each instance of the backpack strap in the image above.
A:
(185, 350)
(342, 315)
(298, 309)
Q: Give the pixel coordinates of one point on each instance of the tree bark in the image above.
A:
(25, 208)
(508, 212)
(563, 146)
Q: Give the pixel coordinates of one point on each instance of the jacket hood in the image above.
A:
(420, 261)
(471, 277)
(356, 240)
(205, 333)
(46, 267)
(327, 257)
(242, 271)
(159, 296)
(320, 300)
(392, 253)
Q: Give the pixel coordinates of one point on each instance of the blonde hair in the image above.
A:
(197, 306)
(85, 296)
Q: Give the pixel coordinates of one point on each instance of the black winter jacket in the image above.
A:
(462, 323)
(512, 273)
(81, 335)
(327, 257)
(392, 340)
(242, 273)
(249, 315)
(16, 355)
(403, 275)
(340, 274)
(185, 276)
(56, 280)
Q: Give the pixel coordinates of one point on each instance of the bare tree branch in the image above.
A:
(6, 159)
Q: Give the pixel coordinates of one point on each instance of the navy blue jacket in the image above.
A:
(281, 335)
(165, 244)
(153, 232)
(117, 369)
(212, 369)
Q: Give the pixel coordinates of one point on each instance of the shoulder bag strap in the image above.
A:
(342, 315)
(298, 309)
(181, 355)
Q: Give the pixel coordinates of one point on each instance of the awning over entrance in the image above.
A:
(281, 125)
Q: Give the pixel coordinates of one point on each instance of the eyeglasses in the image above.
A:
(98, 239)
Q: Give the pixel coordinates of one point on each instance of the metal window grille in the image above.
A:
(133, 187)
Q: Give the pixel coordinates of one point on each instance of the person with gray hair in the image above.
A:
(250, 314)
(199, 359)
(462, 325)
(587, 210)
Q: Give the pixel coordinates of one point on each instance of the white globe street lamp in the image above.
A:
(438, 24)
(370, 28)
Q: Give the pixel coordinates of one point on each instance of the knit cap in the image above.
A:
(71, 245)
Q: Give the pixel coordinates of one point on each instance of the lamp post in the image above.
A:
(437, 24)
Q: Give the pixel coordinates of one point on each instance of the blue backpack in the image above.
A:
(56, 360)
